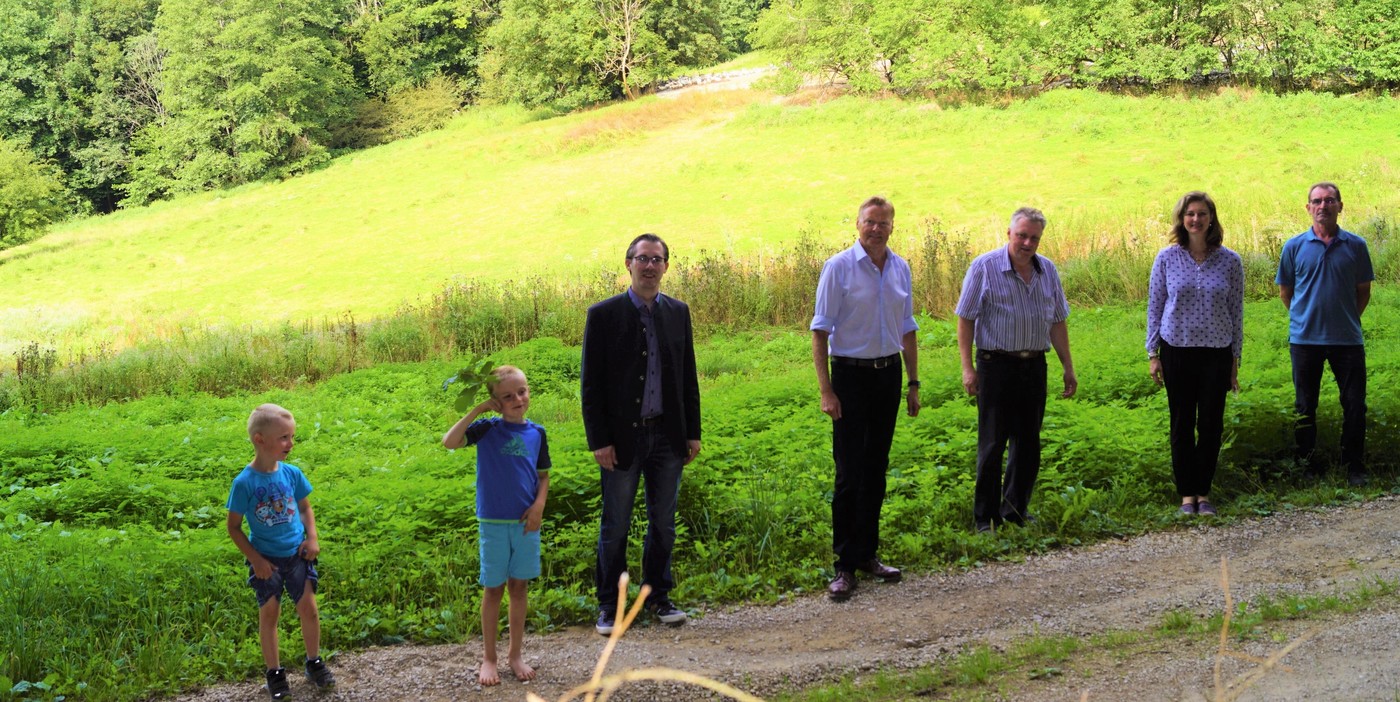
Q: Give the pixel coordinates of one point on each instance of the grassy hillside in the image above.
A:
(502, 195)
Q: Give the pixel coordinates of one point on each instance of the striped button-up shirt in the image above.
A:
(1011, 314)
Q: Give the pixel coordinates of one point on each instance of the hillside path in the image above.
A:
(1122, 585)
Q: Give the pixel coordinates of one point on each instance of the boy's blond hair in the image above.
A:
(265, 415)
(498, 375)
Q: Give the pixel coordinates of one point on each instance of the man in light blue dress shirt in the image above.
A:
(864, 323)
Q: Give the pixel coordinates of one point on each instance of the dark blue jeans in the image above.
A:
(860, 446)
(1197, 380)
(1349, 369)
(660, 467)
(1010, 410)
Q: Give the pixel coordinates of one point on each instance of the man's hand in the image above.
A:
(969, 379)
(606, 457)
(831, 405)
(692, 449)
(1154, 368)
(1071, 385)
(913, 402)
(533, 517)
(309, 549)
(262, 568)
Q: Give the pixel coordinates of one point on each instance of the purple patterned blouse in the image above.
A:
(1196, 304)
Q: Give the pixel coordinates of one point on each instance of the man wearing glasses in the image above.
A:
(641, 412)
(1324, 279)
(864, 323)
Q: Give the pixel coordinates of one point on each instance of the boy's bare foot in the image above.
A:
(488, 675)
(522, 671)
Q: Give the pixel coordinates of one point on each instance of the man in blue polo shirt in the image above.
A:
(1324, 279)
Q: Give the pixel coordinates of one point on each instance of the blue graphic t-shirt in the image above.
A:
(509, 458)
(268, 501)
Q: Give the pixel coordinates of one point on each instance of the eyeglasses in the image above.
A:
(1323, 201)
(644, 260)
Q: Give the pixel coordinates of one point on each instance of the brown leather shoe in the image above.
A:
(880, 570)
(841, 588)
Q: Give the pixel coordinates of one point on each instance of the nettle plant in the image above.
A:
(470, 380)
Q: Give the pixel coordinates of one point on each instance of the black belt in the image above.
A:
(881, 362)
(650, 421)
(1013, 354)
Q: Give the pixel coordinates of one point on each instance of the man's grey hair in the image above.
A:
(1030, 213)
(1326, 184)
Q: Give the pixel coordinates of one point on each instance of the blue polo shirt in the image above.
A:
(1324, 279)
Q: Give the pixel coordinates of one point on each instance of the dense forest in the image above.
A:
(115, 103)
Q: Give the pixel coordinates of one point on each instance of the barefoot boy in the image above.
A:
(282, 548)
(512, 480)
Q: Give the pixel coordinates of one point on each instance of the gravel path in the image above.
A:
(1125, 585)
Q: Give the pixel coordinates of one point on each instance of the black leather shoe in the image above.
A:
(880, 570)
(841, 588)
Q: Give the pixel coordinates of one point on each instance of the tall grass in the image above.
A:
(726, 292)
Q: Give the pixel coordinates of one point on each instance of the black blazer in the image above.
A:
(614, 371)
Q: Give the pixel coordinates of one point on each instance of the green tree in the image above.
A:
(691, 30)
(543, 52)
(66, 88)
(31, 194)
(251, 90)
(400, 44)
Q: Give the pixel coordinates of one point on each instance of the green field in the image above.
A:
(121, 582)
(500, 195)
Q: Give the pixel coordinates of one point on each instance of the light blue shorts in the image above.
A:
(507, 550)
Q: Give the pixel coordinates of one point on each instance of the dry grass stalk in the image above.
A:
(1238, 686)
(601, 688)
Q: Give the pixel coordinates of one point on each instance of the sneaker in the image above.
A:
(606, 618)
(318, 673)
(1205, 509)
(1187, 508)
(668, 612)
(277, 686)
(1356, 479)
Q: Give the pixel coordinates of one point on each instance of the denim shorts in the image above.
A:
(508, 550)
(291, 573)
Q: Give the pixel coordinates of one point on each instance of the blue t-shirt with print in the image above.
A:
(269, 503)
(509, 458)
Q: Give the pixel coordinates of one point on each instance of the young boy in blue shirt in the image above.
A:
(281, 544)
(512, 480)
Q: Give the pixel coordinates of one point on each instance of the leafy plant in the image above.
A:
(471, 379)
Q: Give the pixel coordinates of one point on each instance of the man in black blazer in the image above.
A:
(641, 411)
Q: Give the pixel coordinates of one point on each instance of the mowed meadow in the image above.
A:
(348, 295)
(502, 195)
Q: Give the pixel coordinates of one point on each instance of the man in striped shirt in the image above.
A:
(1014, 309)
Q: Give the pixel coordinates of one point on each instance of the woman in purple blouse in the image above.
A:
(1195, 328)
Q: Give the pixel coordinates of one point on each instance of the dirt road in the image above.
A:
(1125, 585)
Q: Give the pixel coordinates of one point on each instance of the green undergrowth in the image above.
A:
(985, 672)
(120, 580)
